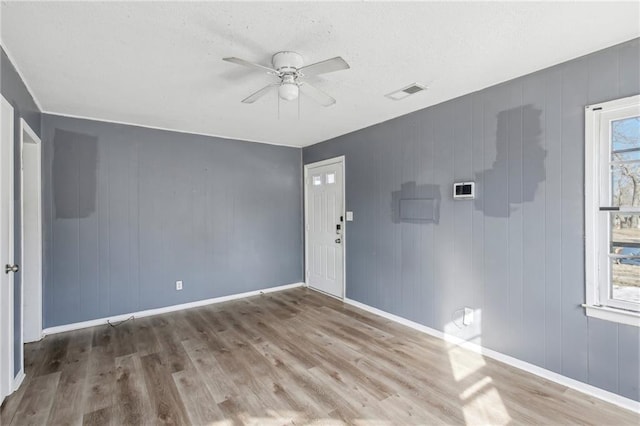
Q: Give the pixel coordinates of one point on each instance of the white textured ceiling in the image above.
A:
(159, 63)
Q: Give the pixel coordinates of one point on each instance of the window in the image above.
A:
(331, 178)
(317, 180)
(612, 210)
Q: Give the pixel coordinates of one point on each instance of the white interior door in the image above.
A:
(325, 226)
(31, 263)
(6, 248)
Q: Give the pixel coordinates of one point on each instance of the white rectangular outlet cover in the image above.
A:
(349, 216)
(178, 285)
(467, 319)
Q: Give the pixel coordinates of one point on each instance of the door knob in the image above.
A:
(337, 241)
(11, 268)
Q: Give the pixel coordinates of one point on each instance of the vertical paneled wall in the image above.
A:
(128, 211)
(515, 253)
(15, 91)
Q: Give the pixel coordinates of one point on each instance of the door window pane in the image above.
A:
(331, 178)
(317, 180)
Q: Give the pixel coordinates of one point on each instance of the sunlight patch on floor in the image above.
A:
(485, 407)
(464, 363)
(480, 401)
(475, 388)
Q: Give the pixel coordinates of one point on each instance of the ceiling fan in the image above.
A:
(290, 69)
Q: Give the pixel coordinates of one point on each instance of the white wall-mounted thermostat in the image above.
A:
(464, 190)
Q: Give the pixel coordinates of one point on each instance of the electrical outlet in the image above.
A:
(178, 285)
(467, 319)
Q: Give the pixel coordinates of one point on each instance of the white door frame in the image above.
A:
(335, 160)
(6, 330)
(34, 290)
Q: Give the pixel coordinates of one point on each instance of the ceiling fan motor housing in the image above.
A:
(287, 61)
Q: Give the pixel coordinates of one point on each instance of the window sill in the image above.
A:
(612, 314)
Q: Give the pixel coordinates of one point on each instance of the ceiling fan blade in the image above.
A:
(249, 64)
(257, 95)
(317, 94)
(323, 67)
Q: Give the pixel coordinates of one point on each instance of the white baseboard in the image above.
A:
(157, 311)
(17, 381)
(602, 394)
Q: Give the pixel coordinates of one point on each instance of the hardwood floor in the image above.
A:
(294, 357)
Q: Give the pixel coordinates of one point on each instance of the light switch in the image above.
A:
(349, 216)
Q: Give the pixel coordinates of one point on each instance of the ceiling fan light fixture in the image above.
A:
(288, 91)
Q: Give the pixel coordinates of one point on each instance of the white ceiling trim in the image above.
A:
(20, 74)
(166, 129)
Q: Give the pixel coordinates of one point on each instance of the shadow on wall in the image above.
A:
(75, 162)
(533, 157)
(416, 203)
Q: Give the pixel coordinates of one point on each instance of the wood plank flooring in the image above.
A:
(294, 357)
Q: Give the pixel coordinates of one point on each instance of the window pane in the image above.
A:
(331, 177)
(625, 147)
(625, 134)
(625, 232)
(317, 180)
(625, 279)
(625, 257)
(625, 185)
(626, 155)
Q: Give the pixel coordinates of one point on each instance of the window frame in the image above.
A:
(599, 304)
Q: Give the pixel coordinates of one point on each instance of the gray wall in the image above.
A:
(516, 252)
(14, 90)
(129, 210)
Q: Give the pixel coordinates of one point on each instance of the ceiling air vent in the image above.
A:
(406, 91)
